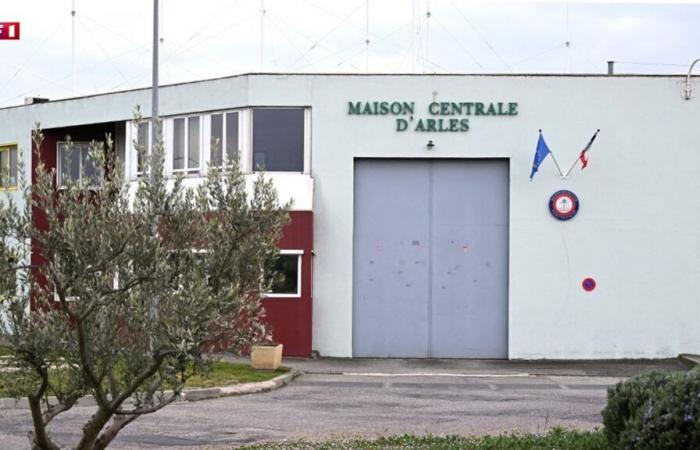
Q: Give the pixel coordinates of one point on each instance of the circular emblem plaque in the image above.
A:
(563, 205)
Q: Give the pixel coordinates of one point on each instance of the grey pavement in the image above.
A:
(321, 406)
(616, 368)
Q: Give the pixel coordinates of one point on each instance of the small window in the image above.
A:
(278, 140)
(288, 267)
(224, 138)
(186, 139)
(143, 146)
(76, 165)
(8, 167)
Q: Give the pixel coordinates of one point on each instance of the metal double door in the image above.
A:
(430, 258)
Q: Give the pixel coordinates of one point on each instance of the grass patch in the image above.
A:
(222, 374)
(557, 439)
(4, 351)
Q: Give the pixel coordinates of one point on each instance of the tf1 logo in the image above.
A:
(9, 30)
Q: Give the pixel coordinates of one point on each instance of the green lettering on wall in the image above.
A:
(354, 108)
(443, 110)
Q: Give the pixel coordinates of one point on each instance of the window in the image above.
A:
(186, 140)
(76, 165)
(143, 146)
(224, 138)
(8, 167)
(278, 139)
(288, 267)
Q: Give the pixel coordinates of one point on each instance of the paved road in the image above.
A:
(323, 406)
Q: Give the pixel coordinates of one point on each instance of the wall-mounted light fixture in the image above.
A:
(688, 85)
(430, 145)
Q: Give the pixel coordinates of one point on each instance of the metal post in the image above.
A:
(611, 68)
(153, 160)
(72, 48)
(262, 35)
(155, 129)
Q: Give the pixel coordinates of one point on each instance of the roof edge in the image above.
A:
(354, 74)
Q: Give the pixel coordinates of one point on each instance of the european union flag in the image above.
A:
(540, 154)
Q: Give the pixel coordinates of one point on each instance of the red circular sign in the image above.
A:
(588, 284)
(563, 205)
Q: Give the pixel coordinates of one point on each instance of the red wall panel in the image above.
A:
(290, 318)
(47, 154)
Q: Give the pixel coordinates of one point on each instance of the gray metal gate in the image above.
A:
(430, 259)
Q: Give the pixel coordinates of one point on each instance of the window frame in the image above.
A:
(59, 168)
(306, 139)
(186, 171)
(222, 145)
(245, 152)
(8, 147)
(300, 265)
(147, 153)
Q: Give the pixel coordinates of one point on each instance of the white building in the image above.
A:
(413, 194)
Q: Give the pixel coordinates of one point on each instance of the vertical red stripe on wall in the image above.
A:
(47, 155)
(290, 318)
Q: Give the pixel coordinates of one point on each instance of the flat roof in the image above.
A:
(337, 74)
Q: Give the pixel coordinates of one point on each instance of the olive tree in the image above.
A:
(121, 290)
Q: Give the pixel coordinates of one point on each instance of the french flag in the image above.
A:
(583, 157)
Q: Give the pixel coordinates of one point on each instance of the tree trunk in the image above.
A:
(92, 429)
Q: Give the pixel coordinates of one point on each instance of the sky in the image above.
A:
(107, 46)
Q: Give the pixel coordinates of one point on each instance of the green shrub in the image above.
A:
(655, 412)
(556, 439)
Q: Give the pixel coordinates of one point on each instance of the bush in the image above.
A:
(655, 412)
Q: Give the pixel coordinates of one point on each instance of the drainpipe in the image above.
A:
(688, 86)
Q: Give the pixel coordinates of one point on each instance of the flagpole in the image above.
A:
(561, 174)
(573, 165)
(578, 158)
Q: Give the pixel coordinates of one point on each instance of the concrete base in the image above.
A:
(689, 360)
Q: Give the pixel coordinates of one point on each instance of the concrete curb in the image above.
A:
(189, 395)
(193, 395)
(690, 360)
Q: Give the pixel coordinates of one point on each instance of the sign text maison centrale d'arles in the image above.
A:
(442, 116)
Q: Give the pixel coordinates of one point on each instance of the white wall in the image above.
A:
(637, 232)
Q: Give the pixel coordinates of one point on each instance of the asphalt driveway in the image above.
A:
(367, 403)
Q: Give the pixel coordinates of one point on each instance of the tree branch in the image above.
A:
(139, 380)
(61, 406)
(89, 375)
(39, 438)
(150, 410)
(111, 432)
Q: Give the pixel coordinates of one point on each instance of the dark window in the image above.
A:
(178, 144)
(143, 145)
(193, 143)
(287, 268)
(232, 135)
(278, 140)
(217, 139)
